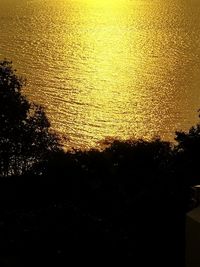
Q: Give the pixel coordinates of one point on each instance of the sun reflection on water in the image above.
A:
(103, 68)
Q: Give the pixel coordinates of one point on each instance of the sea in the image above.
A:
(107, 69)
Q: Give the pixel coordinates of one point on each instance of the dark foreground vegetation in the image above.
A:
(125, 204)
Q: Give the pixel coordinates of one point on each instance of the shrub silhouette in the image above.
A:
(187, 155)
(119, 199)
(25, 136)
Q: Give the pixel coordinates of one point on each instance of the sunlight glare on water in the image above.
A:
(103, 68)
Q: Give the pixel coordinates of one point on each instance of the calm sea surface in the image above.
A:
(103, 68)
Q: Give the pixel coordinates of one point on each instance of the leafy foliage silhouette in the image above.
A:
(25, 136)
(187, 155)
(119, 199)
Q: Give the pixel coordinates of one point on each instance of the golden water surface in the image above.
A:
(107, 68)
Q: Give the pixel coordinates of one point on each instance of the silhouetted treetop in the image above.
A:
(25, 136)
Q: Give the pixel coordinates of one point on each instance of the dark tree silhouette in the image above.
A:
(187, 154)
(25, 136)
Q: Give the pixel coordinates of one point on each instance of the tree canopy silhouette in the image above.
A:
(25, 136)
